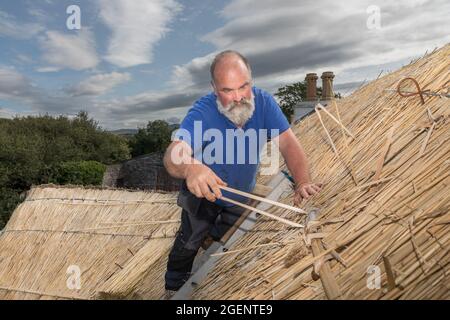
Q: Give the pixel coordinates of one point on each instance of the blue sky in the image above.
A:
(138, 60)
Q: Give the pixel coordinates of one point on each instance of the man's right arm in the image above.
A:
(178, 158)
(200, 179)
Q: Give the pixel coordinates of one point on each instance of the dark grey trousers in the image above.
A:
(199, 218)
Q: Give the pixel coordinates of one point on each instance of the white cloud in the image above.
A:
(283, 40)
(37, 13)
(136, 27)
(47, 69)
(173, 120)
(13, 84)
(10, 27)
(73, 51)
(8, 113)
(136, 111)
(286, 39)
(98, 84)
(127, 112)
(193, 73)
(23, 59)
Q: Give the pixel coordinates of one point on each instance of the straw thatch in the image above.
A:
(385, 163)
(119, 240)
(384, 206)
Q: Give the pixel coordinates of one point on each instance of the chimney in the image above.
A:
(327, 85)
(311, 86)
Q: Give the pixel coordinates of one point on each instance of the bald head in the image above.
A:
(229, 60)
(232, 84)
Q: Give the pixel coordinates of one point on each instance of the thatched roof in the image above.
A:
(111, 235)
(385, 203)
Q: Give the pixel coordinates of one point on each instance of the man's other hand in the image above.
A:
(306, 190)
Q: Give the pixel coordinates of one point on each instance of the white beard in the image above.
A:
(238, 113)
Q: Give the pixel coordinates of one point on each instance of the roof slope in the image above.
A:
(104, 232)
(384, 207)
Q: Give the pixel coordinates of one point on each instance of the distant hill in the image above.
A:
(124, 131)
(130, 132)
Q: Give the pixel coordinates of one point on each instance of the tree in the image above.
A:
(32, 149)
(292, 94)
(155, 137)
(289, 96)
(78, 173)
(9, 199)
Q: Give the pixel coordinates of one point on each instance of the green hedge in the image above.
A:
(46, 149)
(77, 172)
(9, 199)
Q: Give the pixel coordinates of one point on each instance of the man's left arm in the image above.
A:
(297, 163)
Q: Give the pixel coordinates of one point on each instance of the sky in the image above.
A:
(127, 62)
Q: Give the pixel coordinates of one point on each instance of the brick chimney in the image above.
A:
(311, 86)
(327, 85)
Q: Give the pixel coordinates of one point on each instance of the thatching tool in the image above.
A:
(255, 197)
(262, 212)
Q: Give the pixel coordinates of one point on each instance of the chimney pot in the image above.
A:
(327, 85)
(311, 86)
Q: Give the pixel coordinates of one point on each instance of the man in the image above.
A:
(237, 107)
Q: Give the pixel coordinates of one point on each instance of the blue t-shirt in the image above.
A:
(232, 153)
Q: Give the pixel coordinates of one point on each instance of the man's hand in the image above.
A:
(306, 190)
(200, 180)
(297, 163)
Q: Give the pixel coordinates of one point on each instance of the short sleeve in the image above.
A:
(190, 128)
(275, 120)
